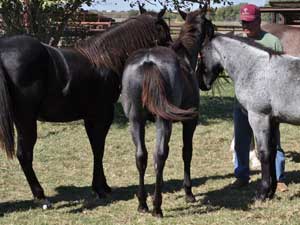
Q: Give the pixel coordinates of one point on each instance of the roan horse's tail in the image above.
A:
(6, 116)
(154, 96)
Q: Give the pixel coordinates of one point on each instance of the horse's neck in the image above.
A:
(236, 56)
(189, 55)
(193, 55)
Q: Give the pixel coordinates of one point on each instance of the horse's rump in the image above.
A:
(288, 35)
(155, 94)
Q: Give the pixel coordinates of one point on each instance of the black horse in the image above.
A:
(39, 82)
(161, 82)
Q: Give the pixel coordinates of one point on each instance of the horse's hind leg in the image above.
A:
(27, 135)
(187, 152)
(164, 129)
(141, 157)
(97, 130)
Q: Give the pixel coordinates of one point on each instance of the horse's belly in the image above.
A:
(290, 115)
(58, 112)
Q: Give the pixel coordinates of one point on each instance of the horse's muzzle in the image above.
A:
(204, 87)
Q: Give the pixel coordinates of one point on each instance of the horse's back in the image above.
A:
(289, 37)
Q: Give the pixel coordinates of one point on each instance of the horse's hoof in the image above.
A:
(157, 213)
(107, 189)
(260, 196)
(190, 198)
(143, 208)
(270, 194)
(103, 192)
(264, 195)
(44, 203)
(47, 205)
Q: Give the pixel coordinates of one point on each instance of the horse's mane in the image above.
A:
(251, 42)
(111, 48)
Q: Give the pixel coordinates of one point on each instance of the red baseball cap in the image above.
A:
(249, 12)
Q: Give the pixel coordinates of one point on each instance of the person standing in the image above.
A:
(243, 134)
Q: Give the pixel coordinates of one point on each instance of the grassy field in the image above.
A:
(63, 162)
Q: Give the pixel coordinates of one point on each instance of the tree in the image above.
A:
(47, 19)
(44, 19)
(228, 13)
(175, 4)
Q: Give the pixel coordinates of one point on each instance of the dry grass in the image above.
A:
(63, 162)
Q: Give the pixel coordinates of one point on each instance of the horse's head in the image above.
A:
(209, 67)
(197, 25)
(194, 33)
(162, 29)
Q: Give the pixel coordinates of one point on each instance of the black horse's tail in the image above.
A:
(154, 96)
(6, 116)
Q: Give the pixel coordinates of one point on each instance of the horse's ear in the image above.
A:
(182, 14)
(141, 8)
(162, 13)
(204, 8)
(210, 30)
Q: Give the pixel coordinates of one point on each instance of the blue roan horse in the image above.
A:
(160, 82)
(39, 82)
(267, 85)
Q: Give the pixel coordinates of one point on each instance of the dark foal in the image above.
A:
(160, 82)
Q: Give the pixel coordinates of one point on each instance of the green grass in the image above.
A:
(63, 163)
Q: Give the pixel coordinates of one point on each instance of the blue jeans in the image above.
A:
(243, 135)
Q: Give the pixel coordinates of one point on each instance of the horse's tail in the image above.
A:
(6, 116)
(154, 96)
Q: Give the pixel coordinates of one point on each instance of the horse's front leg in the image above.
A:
(274, 141)
(187, 152)
(164, 129)
(141, 157)
(264, 134)
(97, 130)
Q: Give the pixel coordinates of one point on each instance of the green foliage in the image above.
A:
(229, 13)
(133, 13)
(174, 4)
(12, 15)
(285, 0)
(46, 18)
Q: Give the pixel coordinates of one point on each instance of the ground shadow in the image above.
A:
(240, 199)
(226, 197)
(86, 199)
(292, 176)
(293, 156)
